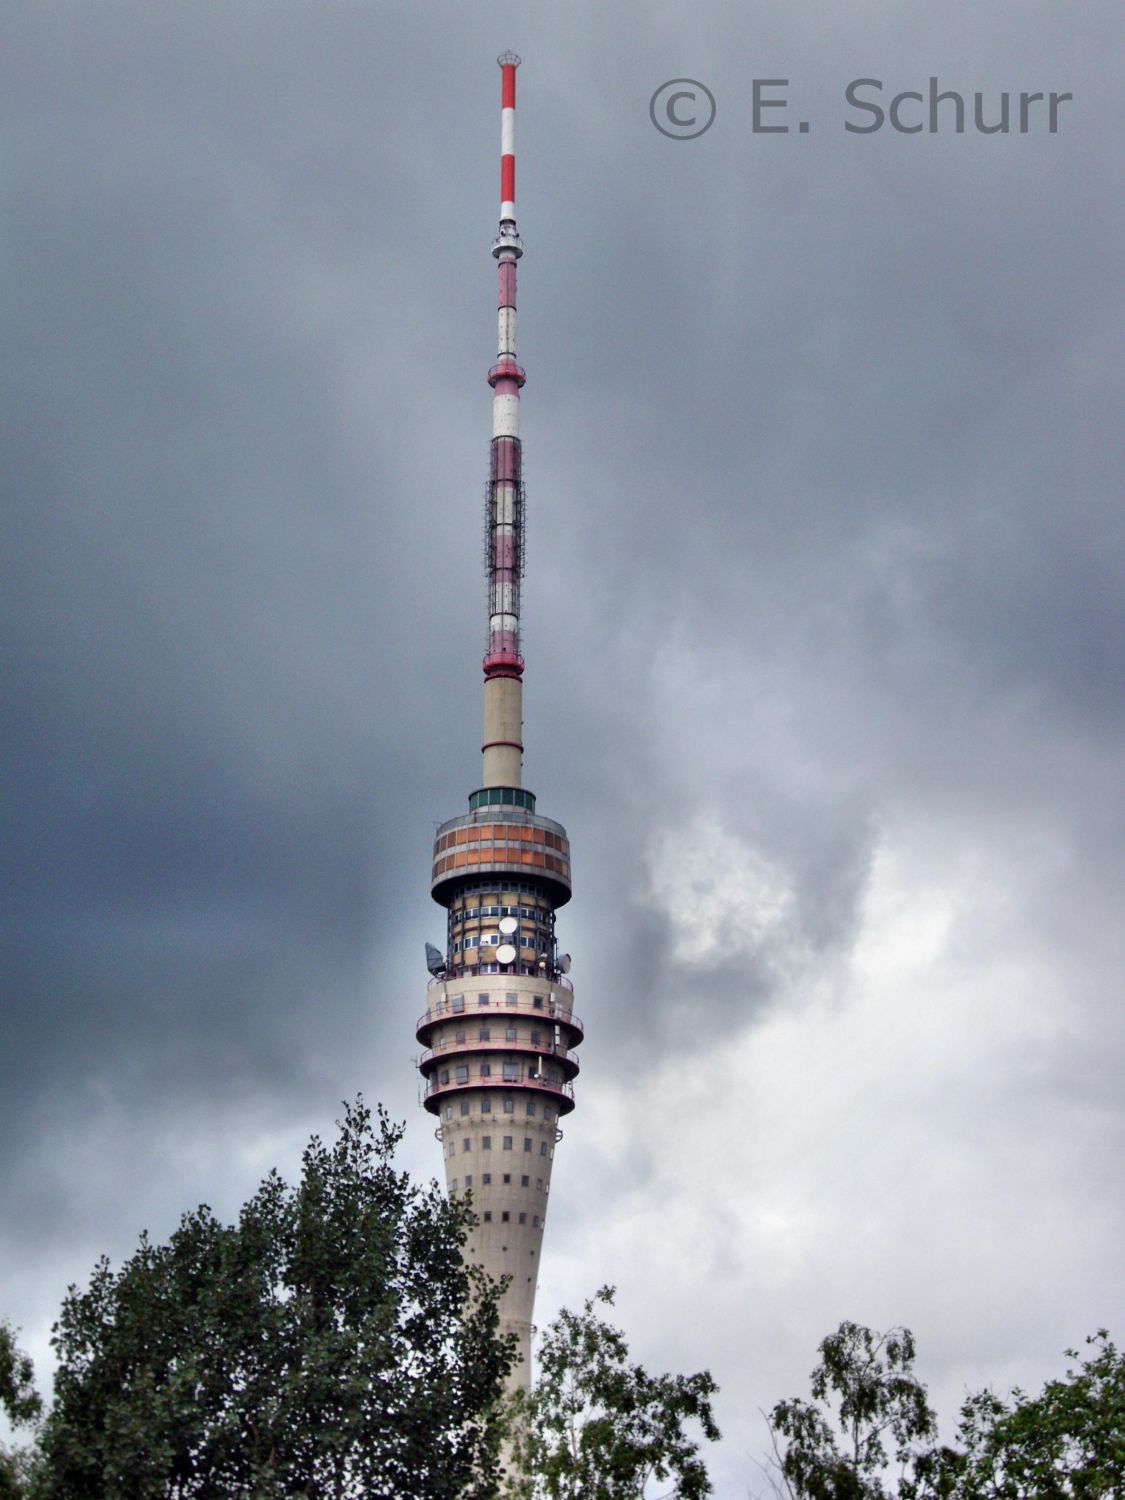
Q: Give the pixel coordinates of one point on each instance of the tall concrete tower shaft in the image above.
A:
(499, 1027)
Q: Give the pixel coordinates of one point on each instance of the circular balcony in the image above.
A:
(445, 1050)
(459, 971)
(561, 1093)
(507, 369)
(505, 843)
(496, 1013)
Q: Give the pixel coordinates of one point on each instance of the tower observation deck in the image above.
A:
(499, 1029)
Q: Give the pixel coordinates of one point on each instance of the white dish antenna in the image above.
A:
(506, 953)
(508, 925)
(564, 963)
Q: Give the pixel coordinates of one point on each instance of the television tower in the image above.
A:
(499, 1027)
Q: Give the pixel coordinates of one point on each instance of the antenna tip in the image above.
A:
(509, 59)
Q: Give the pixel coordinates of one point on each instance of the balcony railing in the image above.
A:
(499, 1010)
(541, 1049)
(548, 1085)
(528, 971)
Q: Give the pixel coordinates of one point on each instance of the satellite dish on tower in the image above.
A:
(435, 960)
(505, 954)
(508, 925)
(564, 963)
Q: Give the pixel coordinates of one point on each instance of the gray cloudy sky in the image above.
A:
(823, 629)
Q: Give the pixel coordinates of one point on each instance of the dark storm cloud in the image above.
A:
(200, 782)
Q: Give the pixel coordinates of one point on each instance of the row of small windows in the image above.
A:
(505, 1216)
(486, 1145)
(503, 796)
(457, 1002)
(486, 1181)
(484, 1034)
(535, 913)
(510, 1072)
(490, 889)
(509, 1108)
(487, 832)
(525, 966)
(493, 940)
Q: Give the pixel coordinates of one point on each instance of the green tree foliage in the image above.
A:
(595, 1427)
(332, 1343)
(868, 1431)
(1067, 1443)
(867, 1408)
(22, 1405)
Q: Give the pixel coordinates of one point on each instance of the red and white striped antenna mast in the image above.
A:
(504, 504)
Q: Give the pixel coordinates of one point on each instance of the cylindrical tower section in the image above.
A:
(509, 62)
(500, 1033)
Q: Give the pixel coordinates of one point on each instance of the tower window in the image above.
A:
(527, 1143)
(505, 1216)
(486, 1106)
(449, 1111)
(511, 1072)
(507, 1177)
(507, 1143)
(531, 1106)
(483, 1000)
(486, 1070)
(486, 1179)
(468, 1179)
(523, 1218)
(458, 1001)
(542, 1148)
(464, 1106)
(486, 1143)
(445, 1075)
(463, 1073)
(513, 1001)
(525, 1181)
(509, 1106)
(535, 1221)
(536, 1038)
(465, 1144)
(484, 1034)
(487, 1216)
(509, 1033)
(460, 1037)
